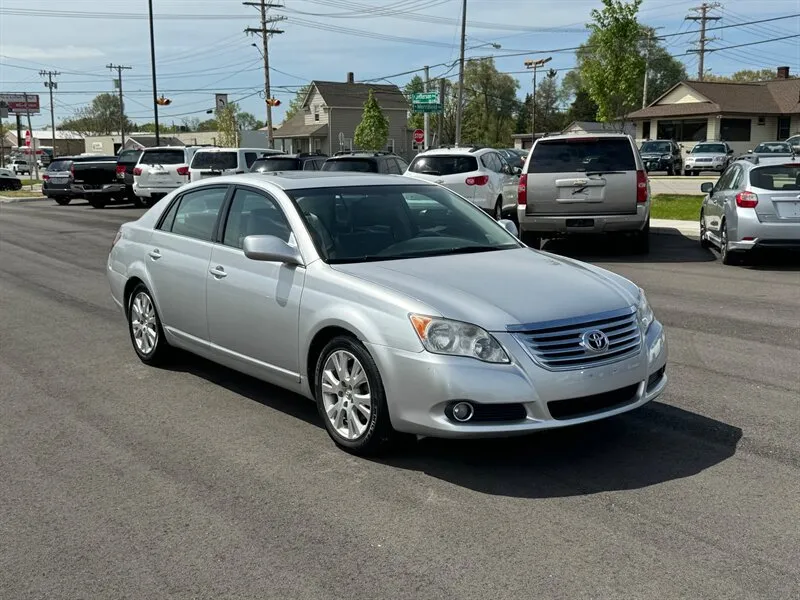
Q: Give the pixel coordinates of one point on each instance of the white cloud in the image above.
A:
(50, 53)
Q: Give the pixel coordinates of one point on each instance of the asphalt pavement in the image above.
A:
(123, 481)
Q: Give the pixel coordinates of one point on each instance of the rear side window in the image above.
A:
(162, 157)
(776, 178)
(214, 160)
(361, 165)
(59, 165)
(197, 213)
(275, 164)
(444, 165)
(582, 155)
(250, 158)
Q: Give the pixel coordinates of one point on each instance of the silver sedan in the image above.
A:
(395, 304)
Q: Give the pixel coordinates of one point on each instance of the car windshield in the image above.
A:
(570, 155)
(656, 147)
(363, 165)
(162, 157)
(709, 149)
(59, 165)
(443, 164)
(217, 161)
(263, 165)
(773, 148)
(777, 178)
(376, 223)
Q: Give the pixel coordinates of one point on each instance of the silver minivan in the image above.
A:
(577, 184)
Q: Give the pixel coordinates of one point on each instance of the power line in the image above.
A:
(51, 85)
(703, 18)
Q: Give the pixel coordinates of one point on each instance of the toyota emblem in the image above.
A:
(595, 341)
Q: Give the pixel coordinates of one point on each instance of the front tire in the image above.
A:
(144, 326)
(498, 209)
(351, 399)
(62, 201)
(531, 240)
(97, 202)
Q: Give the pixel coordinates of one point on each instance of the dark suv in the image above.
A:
(366, 162)
(662, 155)
(304, 161)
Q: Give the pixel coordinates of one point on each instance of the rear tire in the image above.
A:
(498, 209)
(641, 241)
(726, 256)
(532, 240)
(704, 243)
(137, 201)
(97, 202)
(62, 201)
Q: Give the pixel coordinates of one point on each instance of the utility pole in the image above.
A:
(535, 64)
(51, 85)
(153, 70)
(119, 69)
(265, 31)
(648, 43)
(703, 17)
(459, 105)
(426, 116)
(440, 123)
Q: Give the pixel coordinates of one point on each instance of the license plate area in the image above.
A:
(580, 222)
(58, 180)
(788, 210)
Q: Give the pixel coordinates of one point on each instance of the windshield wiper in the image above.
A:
(459, 250)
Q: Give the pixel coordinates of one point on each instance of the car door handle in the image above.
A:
(155, 254)
(218, 272)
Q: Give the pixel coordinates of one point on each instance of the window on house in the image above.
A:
(646, 130)
(735, 130)
(784, 127)
(390, 146)
(683, 130)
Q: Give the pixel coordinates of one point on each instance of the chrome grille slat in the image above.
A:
(557, 345)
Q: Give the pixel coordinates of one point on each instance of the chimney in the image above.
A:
(351, 77)
(783, 72)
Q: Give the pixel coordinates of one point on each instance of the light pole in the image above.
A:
(153, 69)
(535, 64)
(459, 107)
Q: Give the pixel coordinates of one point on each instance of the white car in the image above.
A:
(481, 175)
(213, 162)
(161, 170)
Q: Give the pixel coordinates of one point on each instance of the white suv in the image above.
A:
(213, 162)
(161, 170)
(481, 175)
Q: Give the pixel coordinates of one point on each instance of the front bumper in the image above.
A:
(698, 167)
(108, 189)
(420, 385)
(657, 164)
(583, 223)
(153, 191)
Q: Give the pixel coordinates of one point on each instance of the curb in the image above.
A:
(673, 231)
(7, 200)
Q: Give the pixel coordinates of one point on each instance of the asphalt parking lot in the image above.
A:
(122, 481)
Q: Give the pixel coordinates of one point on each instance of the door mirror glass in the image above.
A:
(509, 226)
(706, 187)
(269, 248)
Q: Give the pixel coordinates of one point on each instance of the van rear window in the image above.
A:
(444, 165)
(217, 161)
(582, 155)
(162, 157)
(776, 178)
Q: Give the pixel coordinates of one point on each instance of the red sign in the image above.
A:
(21, 104)
(28, 138)
(419, 136)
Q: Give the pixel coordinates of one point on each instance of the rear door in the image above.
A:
(582, 175)
(450, 170)
(59, 175)
(213, 163)
(778, 191)
(162, 168)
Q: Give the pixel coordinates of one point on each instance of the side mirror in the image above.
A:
(730, 151)
(706, 187)
(268, 248)
(509, 226)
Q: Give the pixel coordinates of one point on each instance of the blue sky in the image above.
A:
(201, 48)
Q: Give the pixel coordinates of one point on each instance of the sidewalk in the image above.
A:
(690, 229)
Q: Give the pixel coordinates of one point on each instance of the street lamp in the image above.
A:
(535, 64)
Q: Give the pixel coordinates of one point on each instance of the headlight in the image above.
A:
(666, 156)
(644, 312)
(443, 336)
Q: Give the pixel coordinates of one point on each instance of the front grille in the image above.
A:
(558, 346)
(575, 408)
(703, 160)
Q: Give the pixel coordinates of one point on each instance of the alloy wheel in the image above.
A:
(143, 323)
(346, 395)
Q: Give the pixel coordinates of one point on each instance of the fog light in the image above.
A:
(463, 411)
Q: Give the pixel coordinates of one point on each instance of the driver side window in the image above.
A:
(253, 213)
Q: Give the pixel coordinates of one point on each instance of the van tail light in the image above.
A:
(746, 200)
(479, 180)
(116, 239)
(137, 171)
(72, 171)
(522, 190)
(183, 171)
(641, 187)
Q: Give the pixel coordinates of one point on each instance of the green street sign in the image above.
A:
(425, 98)
(426, 108)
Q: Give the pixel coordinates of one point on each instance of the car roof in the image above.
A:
(295, 180)
(451, 151)
(569, 136)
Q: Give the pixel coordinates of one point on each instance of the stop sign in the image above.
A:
(419, 136)
(28, 138)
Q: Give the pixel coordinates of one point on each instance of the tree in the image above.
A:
(549, 116)
(373, 131)
(226, 125)
(247, 121)
(583, 108)
(491, 103)
(296, 104)
(415, 86)
(663, 71)
(101, 117)
(743, 76)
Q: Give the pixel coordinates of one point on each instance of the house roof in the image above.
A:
(775, 97)
(46, 134)
(149, 141)
(296, 127)
(354, 95)
(598, 127)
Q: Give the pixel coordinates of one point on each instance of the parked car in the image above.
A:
(514, 156)
(366, 162)
(770, 150)
(162, 170)
(9, 180)
(213, 162)
(20, 166)
(57, 181)
(708, 156)
(755, 204)
(794, 142)
(662, 155)
(394, 303)
(303, 161)
(480, 175)
(574, 184)
(95, 178)
(126, 163)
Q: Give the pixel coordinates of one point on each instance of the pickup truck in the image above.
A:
(95, 178)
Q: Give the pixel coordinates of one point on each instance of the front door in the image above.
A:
(253, 306)
(177, 261)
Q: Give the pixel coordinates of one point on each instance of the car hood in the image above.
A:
(652, 155)
(505, 287)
